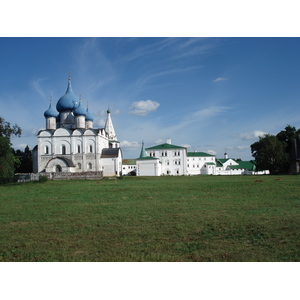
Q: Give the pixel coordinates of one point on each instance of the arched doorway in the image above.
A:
(58, 169)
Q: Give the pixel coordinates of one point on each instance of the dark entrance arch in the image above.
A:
(58, 169)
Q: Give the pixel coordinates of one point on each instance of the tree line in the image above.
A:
(12, 161)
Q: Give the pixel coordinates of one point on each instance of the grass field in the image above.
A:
(197, 218)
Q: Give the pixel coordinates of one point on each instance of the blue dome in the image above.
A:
(69, 101)
(50, 112)
(79, 111)
(88, 115)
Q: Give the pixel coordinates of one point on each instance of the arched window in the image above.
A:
(78, 148)
(63, 149)
(79, 165)
(58, 169)
(91, 148)
(90, 166)
(46, 150)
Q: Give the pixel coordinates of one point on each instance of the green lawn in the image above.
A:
(197, 218)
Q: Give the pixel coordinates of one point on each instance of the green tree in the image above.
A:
(25, 158)
(288, 135)
(7, 159)
(270, 154)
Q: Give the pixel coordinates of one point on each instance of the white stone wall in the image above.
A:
(148, 167)
(111, 166)
(126, 169)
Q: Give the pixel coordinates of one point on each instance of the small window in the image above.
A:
(79, 165)
(90, 166)
(91, 148)
(78, 148)
(63, 149)
(46, 150)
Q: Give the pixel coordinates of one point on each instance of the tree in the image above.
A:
(25, 158)
(7, 159)
(288, 135)
(270, 154)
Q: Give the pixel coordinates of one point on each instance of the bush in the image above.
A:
(43, 178)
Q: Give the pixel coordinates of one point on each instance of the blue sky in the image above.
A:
(208, 94)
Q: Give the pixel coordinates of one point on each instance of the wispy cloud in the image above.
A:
(146, 78)
(143, 107)
(220, 79)
(242, 147)
(159, 141)
(211, 111)
(130, 145)
(36, 85)
(251, 135)
(150, 49)
(185, 145)
(212, 152)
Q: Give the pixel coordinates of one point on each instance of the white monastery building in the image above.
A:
(168, 159)
(71, 144)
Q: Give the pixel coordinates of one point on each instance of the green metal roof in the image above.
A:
(129, 161)
(143, 152)
(219, 164)
(210, 164)
(147, 157)
(248, 165)
(197, 154)
(165, 146)
(223, 160)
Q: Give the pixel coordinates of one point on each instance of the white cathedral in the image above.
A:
(71, 144)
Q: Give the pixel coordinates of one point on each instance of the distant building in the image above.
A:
(71, 144)
(148, 165)
(172, 158)
(129, 167)
(200, 163)
(169, 159)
